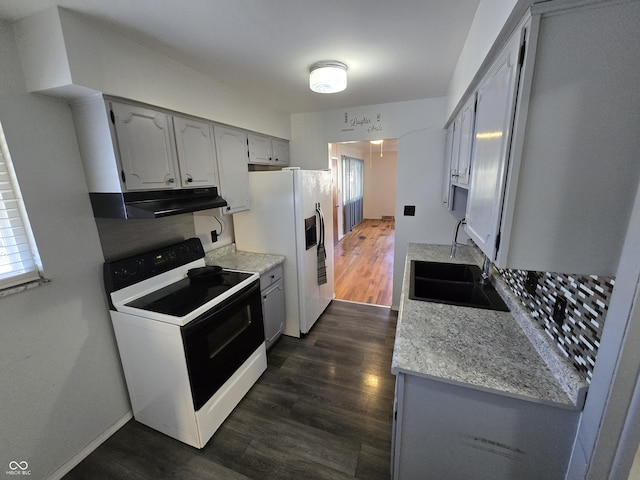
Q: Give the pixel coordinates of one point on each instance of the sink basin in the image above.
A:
(458, 272)
(453, 284)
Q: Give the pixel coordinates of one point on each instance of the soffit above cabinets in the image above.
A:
(395, 51)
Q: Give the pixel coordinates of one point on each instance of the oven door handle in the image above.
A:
(239, 297)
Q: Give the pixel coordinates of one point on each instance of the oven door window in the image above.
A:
(218, 342)
(228, 330)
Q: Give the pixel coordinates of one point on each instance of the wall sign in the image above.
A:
(362, 123)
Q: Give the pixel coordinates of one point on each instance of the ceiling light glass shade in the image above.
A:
(328, 77)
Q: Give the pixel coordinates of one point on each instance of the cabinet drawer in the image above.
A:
(270, 277)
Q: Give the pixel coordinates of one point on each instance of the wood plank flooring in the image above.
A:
(322, 410)
(363, 263)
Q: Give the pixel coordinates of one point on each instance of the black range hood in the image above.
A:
(156, 203)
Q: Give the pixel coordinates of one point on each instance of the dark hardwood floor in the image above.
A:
(322, 410)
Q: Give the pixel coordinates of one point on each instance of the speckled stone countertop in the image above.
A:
(499, 352)
(229, 257)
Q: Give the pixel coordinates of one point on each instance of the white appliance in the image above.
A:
(281, 201)
(190, 337)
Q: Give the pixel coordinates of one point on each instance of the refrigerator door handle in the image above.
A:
(322, 254)
(321, 217)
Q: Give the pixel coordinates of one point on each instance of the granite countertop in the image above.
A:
(499, 352)
(229, 257)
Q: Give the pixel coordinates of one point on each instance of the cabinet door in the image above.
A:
(196, 153)
(467, 115)
(273, 312)
(259, 149)
(280, 150)
(145, 144)
(446, 177)
(231, 149)
(494, 118)
(455, 150)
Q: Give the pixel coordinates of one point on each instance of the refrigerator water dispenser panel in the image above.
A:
(310, 232)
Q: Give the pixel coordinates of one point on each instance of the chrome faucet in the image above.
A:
(454, 243)
(485, 278)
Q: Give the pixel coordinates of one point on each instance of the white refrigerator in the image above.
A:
(289, 209)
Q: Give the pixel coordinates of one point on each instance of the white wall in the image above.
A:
(488, 21)
(380, 183)
(205, 222)
(94, 58)
(418, 127)
(61, 381)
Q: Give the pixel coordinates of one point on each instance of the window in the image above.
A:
(19, 260)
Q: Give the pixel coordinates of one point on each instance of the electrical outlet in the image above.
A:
(559, 310)
(531, 283)
(409, 210)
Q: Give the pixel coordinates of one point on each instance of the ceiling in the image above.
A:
(396, 50)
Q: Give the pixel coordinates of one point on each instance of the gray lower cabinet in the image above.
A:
(273, 308)
(441, 430)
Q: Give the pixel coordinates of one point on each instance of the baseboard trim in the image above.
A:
(361, 303)
(86, 451)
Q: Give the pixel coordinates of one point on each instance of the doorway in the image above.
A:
(363, 247)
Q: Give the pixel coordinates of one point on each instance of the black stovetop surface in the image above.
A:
(186, 295)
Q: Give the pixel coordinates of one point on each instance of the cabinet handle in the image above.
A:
(273, 276)
(171, 180)
(189, 179)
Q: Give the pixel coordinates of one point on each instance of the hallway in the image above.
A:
(363, 263)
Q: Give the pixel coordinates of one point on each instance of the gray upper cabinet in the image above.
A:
(465, 137)
(259, 149)
(127, 147)
(161, 151)
(554, 176)
(447, 193)
(494, 115)
(280, 150)
(196, 153)
(267, 151)
(231, 148)
(146, 147)
(458, 148)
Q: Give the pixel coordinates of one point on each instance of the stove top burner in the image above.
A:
(186, 295)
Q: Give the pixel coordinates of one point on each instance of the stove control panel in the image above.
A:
(128, 271)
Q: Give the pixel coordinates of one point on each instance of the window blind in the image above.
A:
(19, 260)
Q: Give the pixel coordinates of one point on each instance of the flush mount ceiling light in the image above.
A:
(328, 76)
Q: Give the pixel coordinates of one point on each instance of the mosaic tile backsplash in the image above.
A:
(587, 300)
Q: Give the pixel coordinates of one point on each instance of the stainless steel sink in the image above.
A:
(452, 284)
